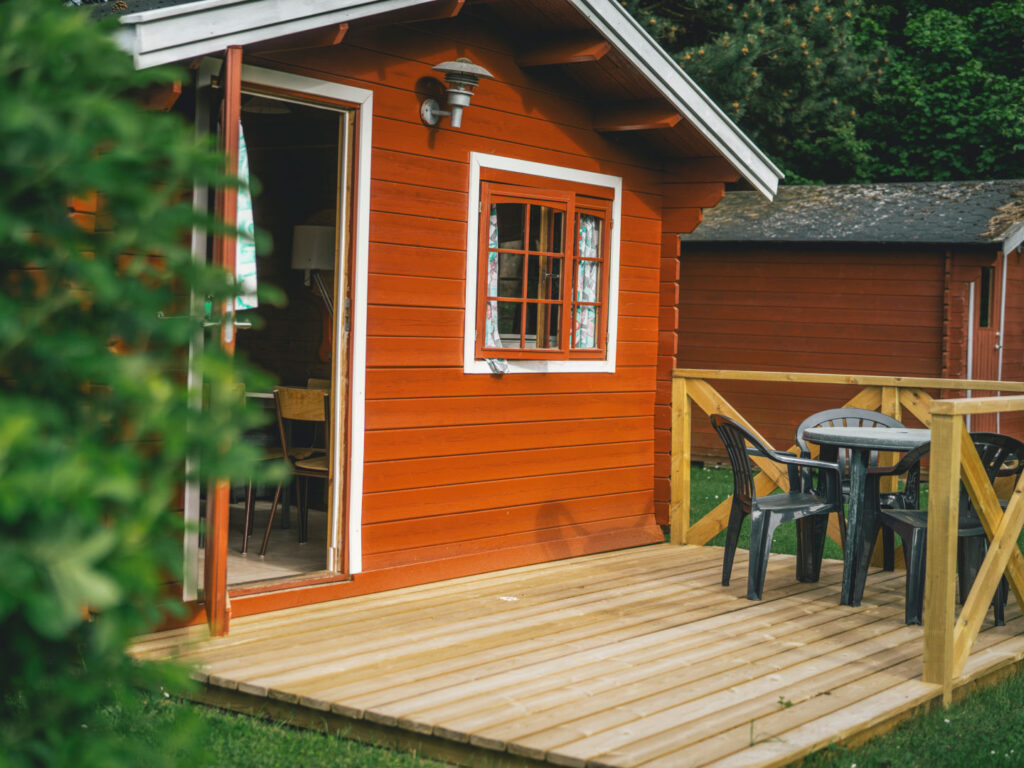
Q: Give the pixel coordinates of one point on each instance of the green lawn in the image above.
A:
(985, 730)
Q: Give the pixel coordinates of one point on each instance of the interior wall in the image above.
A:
(293, 162)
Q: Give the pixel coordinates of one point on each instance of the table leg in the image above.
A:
(860, 527)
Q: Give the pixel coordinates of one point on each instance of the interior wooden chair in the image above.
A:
(1002, 456)
(814, 494)
(306, 406)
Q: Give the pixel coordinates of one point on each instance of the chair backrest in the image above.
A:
(735, 437)
(1002, 455)
(300, 404)
(842, 417)
(315, 383)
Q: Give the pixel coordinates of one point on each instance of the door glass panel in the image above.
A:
(547, 229)
(511, 218)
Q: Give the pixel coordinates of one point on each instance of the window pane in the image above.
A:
(584, 328)
(510, 275)
(547, 229)
(508, 323)
(554, 325)
(588, 238)
(544, 277)
(509, 219)
(588, 281)
(543, 322)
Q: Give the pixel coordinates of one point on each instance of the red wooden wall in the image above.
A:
(838, 309)
(538, 465)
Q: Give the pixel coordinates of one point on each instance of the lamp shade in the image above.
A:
(313, 247)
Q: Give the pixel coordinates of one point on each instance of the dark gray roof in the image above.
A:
(954, 212)
(101, 8)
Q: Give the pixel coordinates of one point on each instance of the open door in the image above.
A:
(299, 150)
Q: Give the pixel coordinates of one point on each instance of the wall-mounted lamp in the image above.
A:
(462, 76)
(313, 251)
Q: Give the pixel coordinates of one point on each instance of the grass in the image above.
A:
(987, 729)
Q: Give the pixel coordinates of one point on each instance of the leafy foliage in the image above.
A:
(789, 73)
(95, 422)
(860, 90)
(951, 95)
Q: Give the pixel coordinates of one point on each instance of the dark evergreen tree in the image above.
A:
(860, 90)
(951, 96)
(789, 73)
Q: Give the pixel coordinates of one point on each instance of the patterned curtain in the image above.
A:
(587, 282)
(245, 243)
(492, 338)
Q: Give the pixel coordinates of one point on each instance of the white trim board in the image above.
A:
(363, 99)
(185, 31)
(479, 160)
(193, 29)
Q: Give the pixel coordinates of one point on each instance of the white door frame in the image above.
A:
(362, 99)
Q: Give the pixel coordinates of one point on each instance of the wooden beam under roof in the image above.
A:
(698, 169)
(442, 9)
(324, 37)
(638, 116)
(158, 98)
(573, 51)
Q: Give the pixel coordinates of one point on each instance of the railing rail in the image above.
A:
(948, 638)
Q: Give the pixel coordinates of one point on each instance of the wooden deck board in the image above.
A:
(632, 659)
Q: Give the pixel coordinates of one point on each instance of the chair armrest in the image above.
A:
(801, 468)
(909, 460)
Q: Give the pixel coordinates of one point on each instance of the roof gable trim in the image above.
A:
(189, 30)
(681, 92)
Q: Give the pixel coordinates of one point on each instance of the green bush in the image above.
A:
(95, 423)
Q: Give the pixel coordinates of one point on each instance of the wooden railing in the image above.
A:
(948, 638)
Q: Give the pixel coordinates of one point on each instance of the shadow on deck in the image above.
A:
(631, 658)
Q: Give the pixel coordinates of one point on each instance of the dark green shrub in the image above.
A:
(92, 438)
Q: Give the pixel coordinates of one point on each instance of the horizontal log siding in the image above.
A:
(1013, 338)
(458, 465)
(856, 310)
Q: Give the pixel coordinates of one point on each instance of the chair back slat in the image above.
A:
(300, 404)
(842, 417)
(735, 438)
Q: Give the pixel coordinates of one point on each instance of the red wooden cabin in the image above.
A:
(919, 279)
(505, 291)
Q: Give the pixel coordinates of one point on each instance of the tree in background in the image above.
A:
(951, 96)
(95, 422)
(790, 74)
(852, 90)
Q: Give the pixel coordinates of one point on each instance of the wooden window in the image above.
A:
(543, 269)
(985, 297)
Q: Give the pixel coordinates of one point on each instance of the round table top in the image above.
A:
(875, 438)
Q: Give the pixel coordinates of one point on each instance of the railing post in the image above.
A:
(890, 407)
(679, 509)
(943, 514)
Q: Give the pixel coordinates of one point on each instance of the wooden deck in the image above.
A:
(631, 658)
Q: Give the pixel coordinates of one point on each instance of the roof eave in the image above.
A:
(1013, 238)
(190, 30)
(630, 39)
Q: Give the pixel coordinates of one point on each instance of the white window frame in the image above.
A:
(478, 161)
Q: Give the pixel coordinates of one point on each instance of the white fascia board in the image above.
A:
(1013, 238)
(190, 30)
(630, 39)
(195, 29)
